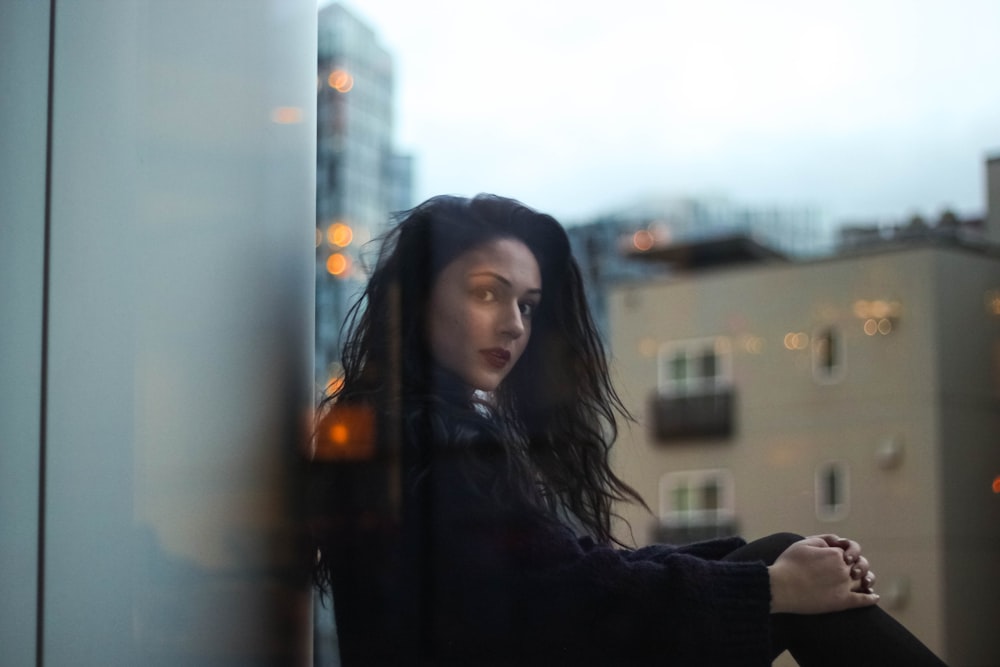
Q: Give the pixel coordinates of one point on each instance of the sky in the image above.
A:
(866, 110)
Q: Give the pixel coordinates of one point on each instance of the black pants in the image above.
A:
(856, 637)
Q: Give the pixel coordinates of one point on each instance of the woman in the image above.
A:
(465, 498)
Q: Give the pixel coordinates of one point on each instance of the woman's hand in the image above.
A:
(821, 574)
(860, 570)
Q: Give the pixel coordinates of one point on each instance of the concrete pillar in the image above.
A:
(156, 280)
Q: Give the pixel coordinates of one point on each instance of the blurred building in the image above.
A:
(597, 247)
(881, 235)
(360, 178)
(855, 395)
(606, 247)
(875, 236)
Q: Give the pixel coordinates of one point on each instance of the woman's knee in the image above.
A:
(765, 549)
(786, 539)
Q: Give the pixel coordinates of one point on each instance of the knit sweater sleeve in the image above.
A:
(513, 587)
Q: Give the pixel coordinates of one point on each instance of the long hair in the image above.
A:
(556, 409)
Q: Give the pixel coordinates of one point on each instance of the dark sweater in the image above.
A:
(465, 579)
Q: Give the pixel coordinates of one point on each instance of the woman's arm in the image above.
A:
(512, 584)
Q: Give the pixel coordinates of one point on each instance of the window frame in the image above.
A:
(833, 511)
(831, 373)
(693, 353)
(697, 482)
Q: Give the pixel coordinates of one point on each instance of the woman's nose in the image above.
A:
(513, 322)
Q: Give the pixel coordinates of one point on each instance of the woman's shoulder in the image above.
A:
(446, 424)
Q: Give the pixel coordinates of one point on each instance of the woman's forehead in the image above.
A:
(508, 259)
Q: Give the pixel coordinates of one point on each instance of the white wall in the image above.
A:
(178, 334)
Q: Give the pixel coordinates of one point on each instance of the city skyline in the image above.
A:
(865, 111)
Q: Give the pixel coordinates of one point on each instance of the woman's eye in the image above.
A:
(528, 309)
(484, 294)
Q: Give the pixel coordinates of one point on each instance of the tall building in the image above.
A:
(856, 395)
(360, 178)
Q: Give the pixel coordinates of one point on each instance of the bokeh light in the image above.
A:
(337, 264)
(339, 235)
(340, 81)
(287, 115)
(648, 347)
(753, 344)
(642, 240)
(796, 340)
(347, 432)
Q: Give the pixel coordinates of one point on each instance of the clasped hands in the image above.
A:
(821, 574)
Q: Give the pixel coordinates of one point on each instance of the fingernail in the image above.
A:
(855, 571)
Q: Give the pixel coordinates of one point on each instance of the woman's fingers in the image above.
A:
(830, 539)
(860, 568)
(866, 584)
(851, 549)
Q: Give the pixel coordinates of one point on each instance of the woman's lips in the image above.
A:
(496, 357)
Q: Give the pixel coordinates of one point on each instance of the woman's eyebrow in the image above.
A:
(500, 278)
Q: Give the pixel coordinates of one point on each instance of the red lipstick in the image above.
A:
(496, 356)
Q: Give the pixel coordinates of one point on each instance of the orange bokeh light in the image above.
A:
(337, 264)
(347, 432)
(642, 240)
(996, 484)
(339, 434)
(340, 81)
(287, 115)
(339, 235)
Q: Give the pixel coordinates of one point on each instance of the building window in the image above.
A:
(828, 355)
(696, 497)
(695, 367)
(694, 396)
(832, 491)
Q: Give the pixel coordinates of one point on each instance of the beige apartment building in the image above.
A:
(857, 395)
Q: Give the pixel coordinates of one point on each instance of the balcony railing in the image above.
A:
(682, 417)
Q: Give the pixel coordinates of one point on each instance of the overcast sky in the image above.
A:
(864, 109)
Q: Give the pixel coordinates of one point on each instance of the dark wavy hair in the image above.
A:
(556, 408)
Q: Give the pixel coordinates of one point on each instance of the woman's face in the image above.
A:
(481, 306)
